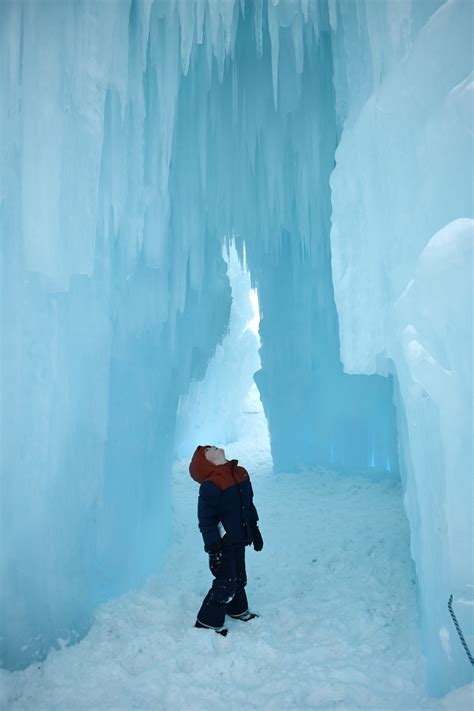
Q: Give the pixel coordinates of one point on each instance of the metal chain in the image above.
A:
(461, 636)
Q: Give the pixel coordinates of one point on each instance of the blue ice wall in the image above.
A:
(107, 314)
(332, 140)
(402, 257)
(317, 414)
(272, 190)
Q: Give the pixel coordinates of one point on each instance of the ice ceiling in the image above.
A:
(330, 139)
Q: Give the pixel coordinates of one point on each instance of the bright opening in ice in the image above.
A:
(253, 323)
(214, 409)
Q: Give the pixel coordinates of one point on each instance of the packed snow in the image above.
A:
(334, 587)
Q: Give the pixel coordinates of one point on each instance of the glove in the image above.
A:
(215, 557)
(257, 537)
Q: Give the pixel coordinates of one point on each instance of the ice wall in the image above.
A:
(270, 141)
(138, 134)
(402, 263)
(103, 289)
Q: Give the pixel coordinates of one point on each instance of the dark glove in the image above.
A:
(257, 537)
(215, 557)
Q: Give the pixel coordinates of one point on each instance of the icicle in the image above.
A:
(315, 18)
(168, 78)
(200, 14)
(297, 28)
(208, 43)
(235, 26)
(118, 29)
(287, 11)
(274, 29)
(308, 38)
(258, 12)
(304, 9)
(332, 6)
(186, 20)
(226, 11)
(145, 19)
(221, 54)
(214, 17)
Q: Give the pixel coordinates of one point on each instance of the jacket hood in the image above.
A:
(201, 468)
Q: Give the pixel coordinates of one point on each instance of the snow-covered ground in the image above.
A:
(334, 587)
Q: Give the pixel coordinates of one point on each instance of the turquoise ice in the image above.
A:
(330, 141)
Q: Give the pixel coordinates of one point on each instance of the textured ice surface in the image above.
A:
(135, 135)
(402, 256)
(98, 299)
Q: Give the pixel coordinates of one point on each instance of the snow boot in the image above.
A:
(220, 630)
(244, 616)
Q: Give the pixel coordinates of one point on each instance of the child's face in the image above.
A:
(215, 455)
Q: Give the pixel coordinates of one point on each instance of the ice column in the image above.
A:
(103, 291)
(402, 242)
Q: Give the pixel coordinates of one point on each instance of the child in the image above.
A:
(228, 522)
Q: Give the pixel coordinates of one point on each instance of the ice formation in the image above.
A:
(402, 190)
(136, 135)
(214, 409)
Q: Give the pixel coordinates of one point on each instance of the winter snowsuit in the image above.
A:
(225, 514)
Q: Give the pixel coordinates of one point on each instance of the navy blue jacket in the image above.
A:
(225, 505)
(232, 507)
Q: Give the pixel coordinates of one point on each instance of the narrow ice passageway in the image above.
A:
(333, 585)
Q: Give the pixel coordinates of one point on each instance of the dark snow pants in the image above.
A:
(227, 593)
